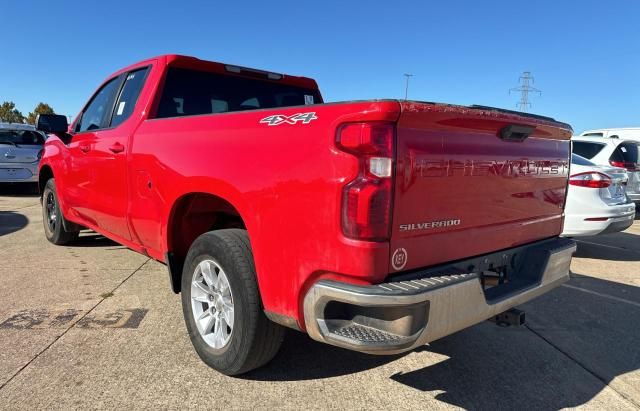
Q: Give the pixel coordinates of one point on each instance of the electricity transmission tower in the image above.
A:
(526, 81)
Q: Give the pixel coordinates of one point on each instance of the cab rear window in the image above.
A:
(587, 149)
(191, 92)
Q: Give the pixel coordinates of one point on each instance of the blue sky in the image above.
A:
(585, 56)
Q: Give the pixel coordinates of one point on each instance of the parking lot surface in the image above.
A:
(96, 325)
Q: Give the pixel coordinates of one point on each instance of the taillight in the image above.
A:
(590, 180)
(366, 200)
(625, 164)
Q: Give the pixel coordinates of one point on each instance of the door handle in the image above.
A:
(116, 148)
(84, 147)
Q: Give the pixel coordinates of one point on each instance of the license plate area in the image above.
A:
(618, 191)
(14, 173)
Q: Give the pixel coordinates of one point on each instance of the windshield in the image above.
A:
(21, 138)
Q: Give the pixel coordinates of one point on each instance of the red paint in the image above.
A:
(287, 183)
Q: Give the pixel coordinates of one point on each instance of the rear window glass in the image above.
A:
(191, 92)
(580, 161)
(592, 134)
(626, 152)
(587, 149)
(21, 137)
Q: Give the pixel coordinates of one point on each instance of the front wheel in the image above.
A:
(54, 224)
(222, 306)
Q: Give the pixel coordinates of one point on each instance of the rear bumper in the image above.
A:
(18, 172)
(619, 224)
(619, 218)
(400, 315)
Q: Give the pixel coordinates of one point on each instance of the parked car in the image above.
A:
(613, 152)
(597, 202)
(21, 147)
(376, 226)
(627, 133)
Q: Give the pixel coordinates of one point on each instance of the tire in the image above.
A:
(54, 227)
(252, 340)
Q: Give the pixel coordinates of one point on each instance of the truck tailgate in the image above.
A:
(468, 184)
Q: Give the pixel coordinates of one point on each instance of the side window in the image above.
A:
(586, 149)
(97, 113)
(128, 96)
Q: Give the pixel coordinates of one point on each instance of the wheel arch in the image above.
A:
(191, 215)
(45, 173)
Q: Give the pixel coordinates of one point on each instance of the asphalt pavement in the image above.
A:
(96, 326)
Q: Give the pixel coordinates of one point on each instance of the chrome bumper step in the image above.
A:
(397, 316)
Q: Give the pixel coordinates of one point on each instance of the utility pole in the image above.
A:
(406, 88)
(526, 80)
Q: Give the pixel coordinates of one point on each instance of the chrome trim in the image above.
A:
(452, 305)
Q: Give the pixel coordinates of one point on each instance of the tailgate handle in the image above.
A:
(515, 132)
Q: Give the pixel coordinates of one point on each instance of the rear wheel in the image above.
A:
(222, 306)
(52, 218)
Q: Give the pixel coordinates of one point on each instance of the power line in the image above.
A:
(525, 80)
(406, 89)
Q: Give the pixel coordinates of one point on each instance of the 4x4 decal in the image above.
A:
(277, 119)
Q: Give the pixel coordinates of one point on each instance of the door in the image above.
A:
(78, 182)
(99, 155)
(109, 154)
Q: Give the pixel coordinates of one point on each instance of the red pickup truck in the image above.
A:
(376, 226)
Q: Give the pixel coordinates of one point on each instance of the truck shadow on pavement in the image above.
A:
(19, 190)
(301, 358)
(623, 246)
(577, 339)
(10, 222)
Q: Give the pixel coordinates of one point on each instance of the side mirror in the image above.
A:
(52, 123)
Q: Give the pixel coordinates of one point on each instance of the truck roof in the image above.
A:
(195, 63)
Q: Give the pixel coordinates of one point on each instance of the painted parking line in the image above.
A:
(610, 297)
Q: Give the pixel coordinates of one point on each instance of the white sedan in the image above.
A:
(597, 202)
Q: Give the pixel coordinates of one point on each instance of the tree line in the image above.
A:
(10, 114)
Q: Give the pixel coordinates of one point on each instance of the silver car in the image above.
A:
(607, 151)
(20, 152)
